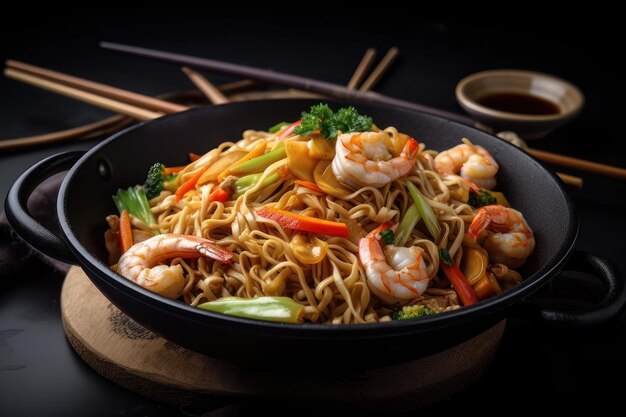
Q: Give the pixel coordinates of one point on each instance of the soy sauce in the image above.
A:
(519, 103)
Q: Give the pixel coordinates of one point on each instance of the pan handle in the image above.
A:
(17, 210)
(610, 305)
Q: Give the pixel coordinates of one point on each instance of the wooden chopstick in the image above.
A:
(88, 131)
(380, 69)
(135, 99)
(274, 77)
(580, 164)
(571, 180)
(361, 70)
(91, 98)
(205, 86)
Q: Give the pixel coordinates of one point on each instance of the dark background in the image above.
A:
(535, 365)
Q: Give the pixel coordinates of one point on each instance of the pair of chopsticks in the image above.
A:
(137, 106)
(128, 104)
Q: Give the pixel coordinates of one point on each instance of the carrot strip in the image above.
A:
(173, 170)
(308, 184)
(193, 157)
(126, 234)
(188, 185)
(289, 220)
(258, 150)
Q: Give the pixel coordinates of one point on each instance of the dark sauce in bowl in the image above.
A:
(519, 103)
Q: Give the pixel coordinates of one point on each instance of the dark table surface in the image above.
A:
(39, 372)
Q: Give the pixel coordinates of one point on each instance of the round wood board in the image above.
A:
(124, 352)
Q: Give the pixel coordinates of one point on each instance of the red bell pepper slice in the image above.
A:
(459, 281)
(289, 220)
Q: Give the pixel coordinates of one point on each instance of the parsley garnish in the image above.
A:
(329, 123)
(387, 236)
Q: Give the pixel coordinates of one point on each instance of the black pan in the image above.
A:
(123, 160)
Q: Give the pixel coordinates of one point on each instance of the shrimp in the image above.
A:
(512, 241)
(364, 159)
(140, 263)
(397, 274)
(473, 162)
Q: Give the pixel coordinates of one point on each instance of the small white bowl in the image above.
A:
(567, 97)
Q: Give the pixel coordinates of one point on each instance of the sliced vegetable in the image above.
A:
(276, 128)
(259, 163)
(487, 287)
(135, 202)
(408, 223)
(411, 312)
(425, 211)
(308, 251)
(320, 148)
(219, 166)
(173, 170)
(126, 233)
(258, 150)
(219, 194)
(501, 199)
(457, 279)
(474, 264)
(289, 220)
(483, 198)
(193, 157)
(243, 184)
(188, 185)
(311, 185)
(277, 309)
(299, 162)
(327, 181)
(289, 130)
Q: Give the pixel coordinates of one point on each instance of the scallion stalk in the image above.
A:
(408, 223)
(425, 211)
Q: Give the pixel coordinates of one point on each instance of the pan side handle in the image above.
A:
(607, 308)
(17, 211)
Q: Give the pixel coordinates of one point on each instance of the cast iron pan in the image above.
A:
(123, 160)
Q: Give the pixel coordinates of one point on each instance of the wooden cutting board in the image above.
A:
(124, 352)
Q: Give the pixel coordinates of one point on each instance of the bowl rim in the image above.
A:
(95, 266)
(465, 101)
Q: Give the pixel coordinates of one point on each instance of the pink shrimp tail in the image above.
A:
(480, 223)
(215, 251)
(410, 148)
(472, 186)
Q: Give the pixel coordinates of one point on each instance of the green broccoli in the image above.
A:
(483, 199)
(411, 312)
(155, 179)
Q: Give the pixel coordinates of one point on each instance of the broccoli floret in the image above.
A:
(411, 312)
(155, 179)
(483, 199)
